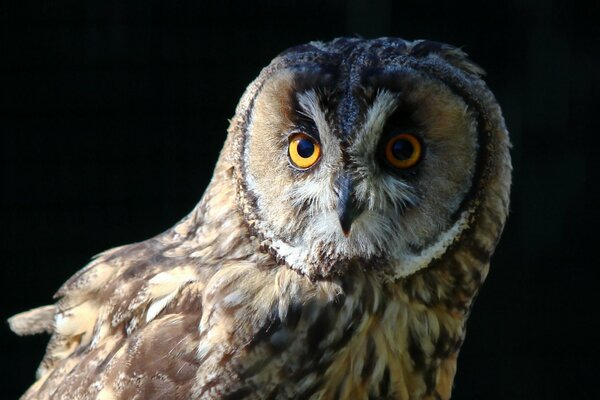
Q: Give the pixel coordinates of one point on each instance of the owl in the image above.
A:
(335, 254)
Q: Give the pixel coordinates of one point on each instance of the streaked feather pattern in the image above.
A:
(225, 306)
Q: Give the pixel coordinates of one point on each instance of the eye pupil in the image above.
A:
(402, 149)
(306, 148)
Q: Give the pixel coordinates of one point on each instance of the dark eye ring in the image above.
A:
(403, 151)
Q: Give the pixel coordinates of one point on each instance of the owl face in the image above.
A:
(358, 160)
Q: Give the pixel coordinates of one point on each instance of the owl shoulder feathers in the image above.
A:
(135, 302)
(168, 317)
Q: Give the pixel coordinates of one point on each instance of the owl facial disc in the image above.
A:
(360, 152)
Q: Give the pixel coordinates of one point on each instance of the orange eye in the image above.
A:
(403, 151)
(304, 151)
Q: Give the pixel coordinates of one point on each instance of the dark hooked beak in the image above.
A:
(348, 208)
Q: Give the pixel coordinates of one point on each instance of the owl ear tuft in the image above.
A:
(453, 55)
(460, 59)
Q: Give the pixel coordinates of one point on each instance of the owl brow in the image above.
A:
(384, 105)
(309, 106)
(376, 117)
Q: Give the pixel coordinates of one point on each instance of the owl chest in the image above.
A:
(374, 361)
(353, 352)
(369, 364)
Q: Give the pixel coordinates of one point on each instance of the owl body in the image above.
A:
(335, 254)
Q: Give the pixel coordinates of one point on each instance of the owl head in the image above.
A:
(373, 154)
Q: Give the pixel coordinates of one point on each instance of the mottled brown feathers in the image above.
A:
(257, 293)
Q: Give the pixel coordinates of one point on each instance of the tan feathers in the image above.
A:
(38, 320)
(258, 293)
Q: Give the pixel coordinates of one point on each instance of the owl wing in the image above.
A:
(126, 324)
(142, 322)
(161, 318)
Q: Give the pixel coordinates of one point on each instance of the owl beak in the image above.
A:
(348, 208)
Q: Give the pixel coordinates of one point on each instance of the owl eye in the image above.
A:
(304, 151)
(403, 151)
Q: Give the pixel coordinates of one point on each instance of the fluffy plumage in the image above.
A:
(258, 293)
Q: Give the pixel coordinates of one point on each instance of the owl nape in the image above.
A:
(335, 254)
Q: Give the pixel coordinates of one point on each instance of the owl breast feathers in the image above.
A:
(335, 254)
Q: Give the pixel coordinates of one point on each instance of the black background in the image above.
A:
(112, 115)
